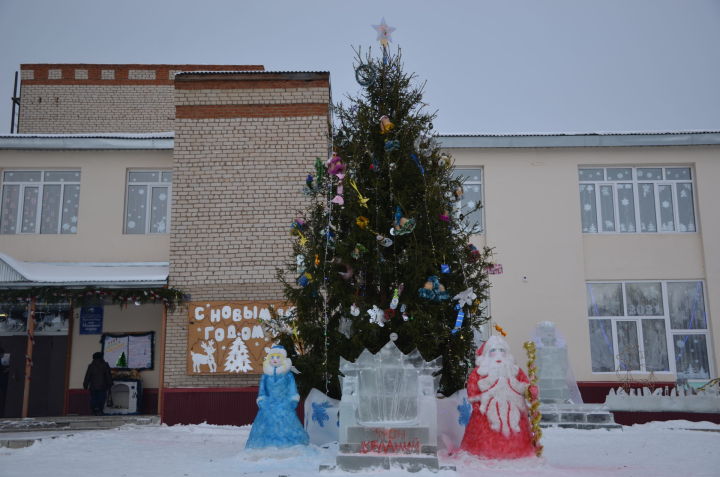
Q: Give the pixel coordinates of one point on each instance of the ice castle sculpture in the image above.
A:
(388, 413)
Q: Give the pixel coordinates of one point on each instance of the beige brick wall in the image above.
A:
(102, 98)
(77, 108)
(237, 185)
(250, 96)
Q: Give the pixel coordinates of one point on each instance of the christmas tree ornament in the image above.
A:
(345, 327)
(445, 217)
(300, 260)
(304, 279)
(303, 240)
(403, 225)
(319, 172)
(362, 222)
(405, 316)
(308, 189)
(377, 316)
(348, 273)
(362, 200)
(383, 33)
(433, 290)
(338, 199)
(395, 299)
(335, 167)
(384, 241)
(465, 297)
(392, 145)
(459, 192)
(317, 259)
(444, 160)
(389, 314)
(445, 268)
(458, 319)
(385, 125)
(358, 250)
(354, 310)
(365, 75)
(416, 160)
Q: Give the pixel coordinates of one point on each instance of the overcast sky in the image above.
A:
(492, 66)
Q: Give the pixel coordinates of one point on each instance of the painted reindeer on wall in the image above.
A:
(207, 358)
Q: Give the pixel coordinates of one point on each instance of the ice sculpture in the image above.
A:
(556, 380)
(388, 412)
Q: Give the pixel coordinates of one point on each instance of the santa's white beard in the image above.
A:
(502, 399)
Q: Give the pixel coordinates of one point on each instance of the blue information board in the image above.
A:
(91, 320)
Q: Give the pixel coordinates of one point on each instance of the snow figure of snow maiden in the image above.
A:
(499, 427)
(276, 423)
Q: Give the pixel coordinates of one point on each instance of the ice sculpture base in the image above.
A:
(406, 447)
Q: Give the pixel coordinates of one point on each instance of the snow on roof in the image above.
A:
(162, 140)
(592, 139)
(16, 273)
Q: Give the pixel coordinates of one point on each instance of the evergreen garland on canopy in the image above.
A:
(382, 248)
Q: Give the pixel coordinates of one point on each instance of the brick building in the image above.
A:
(138, 176)
(215, 143)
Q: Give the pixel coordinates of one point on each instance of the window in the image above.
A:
(43, 202)
(147, 206)
(637, 200)
(50, 319)
(649, 326)
(467, 203)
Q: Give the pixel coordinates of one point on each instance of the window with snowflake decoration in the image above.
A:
(637, 200)
(649, 326)
(467, 203)
(147, 204)
(45, 202)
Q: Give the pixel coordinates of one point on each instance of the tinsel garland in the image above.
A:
(170, 297)
(534, 410)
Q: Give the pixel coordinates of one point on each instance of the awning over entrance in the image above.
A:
(19, 274)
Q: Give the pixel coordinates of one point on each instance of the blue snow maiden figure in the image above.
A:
(276, 424)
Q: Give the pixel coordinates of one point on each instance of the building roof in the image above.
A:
(19, 274)
(161, 141)
(599, 139)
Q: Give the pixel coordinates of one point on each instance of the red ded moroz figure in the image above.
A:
(499, 427)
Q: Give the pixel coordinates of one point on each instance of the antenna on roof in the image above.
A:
(15, 102)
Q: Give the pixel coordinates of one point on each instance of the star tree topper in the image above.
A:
(383, 32)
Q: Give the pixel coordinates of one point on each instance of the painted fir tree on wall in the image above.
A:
(237, 359)
(381, 249)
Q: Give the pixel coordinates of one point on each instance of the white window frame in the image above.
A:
(669, 331)
(41, 189)
(480, 229)
(148, 200)
(657, 183)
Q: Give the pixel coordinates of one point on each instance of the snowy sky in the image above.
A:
(492, 66)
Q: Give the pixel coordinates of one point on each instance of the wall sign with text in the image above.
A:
(228, 337)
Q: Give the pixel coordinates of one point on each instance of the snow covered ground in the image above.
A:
(657, 449)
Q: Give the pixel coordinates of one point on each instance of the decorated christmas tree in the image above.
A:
(382, 250)
(237, 359)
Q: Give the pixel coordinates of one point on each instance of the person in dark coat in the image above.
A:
(99, 381)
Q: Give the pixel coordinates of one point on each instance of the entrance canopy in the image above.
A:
(19, 274)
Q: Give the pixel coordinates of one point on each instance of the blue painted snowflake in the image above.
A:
(320, 414)
(464, 411)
